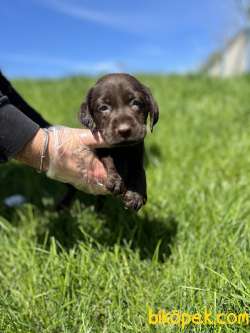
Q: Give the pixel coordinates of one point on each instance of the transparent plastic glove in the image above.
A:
(72, 159)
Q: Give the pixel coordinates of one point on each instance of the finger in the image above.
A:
(99, 172)
(92, 140)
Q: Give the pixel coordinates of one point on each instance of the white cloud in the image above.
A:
(129, 21)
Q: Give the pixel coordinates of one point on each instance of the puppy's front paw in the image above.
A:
(133, 200)
(115, 184)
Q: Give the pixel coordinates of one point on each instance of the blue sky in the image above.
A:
(51, 38)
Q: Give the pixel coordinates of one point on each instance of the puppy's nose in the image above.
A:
(124, 130)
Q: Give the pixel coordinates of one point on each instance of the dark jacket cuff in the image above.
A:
(16, 129)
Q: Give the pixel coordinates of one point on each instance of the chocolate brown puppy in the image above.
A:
(118, 106)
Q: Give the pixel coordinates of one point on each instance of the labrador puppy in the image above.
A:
(118, 107)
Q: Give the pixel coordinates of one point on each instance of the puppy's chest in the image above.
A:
(126, 160)
(118, 157)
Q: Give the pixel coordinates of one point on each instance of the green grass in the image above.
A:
(188, 249)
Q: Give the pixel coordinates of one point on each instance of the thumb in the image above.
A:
(92, 140)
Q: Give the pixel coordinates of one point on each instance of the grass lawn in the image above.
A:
(187, 250)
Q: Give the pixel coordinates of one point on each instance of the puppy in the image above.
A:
(118, 107)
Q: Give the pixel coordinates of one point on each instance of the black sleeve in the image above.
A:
(19, 102)
(16, 129)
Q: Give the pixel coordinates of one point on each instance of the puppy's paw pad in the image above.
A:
(133, 200)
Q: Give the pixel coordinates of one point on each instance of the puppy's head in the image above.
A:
(118, 106)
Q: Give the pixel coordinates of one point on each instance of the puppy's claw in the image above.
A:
(133, 200)
(115, 185)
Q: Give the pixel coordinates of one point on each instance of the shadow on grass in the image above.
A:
(113, 225)
(152, 238)
(19, 179)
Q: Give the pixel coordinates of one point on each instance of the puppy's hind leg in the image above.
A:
(136, 195)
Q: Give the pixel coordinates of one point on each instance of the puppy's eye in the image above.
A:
(103, 108)
(137, 103)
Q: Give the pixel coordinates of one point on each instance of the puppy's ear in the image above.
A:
(153, 107)
(85, 115)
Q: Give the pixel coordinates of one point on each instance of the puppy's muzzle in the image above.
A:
(124, 130)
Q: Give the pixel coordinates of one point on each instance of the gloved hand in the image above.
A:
(72, 159)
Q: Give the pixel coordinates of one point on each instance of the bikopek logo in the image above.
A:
(183, 319)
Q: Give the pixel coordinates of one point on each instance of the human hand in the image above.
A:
(72, 159)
